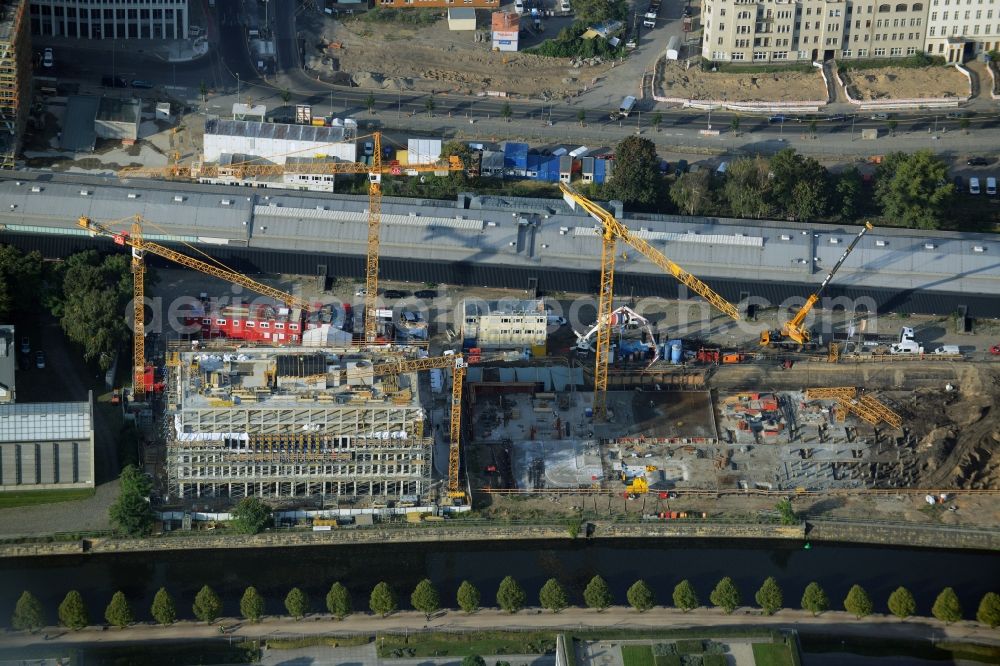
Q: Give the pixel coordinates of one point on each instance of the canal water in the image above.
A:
(662, 563)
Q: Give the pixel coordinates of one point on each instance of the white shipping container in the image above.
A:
(673, 48)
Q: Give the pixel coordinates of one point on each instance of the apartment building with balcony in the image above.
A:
(811, 30)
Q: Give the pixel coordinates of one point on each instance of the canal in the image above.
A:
(662, 563)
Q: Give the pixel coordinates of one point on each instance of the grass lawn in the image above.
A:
(772, 654)
(480, 642)
(638, 655)
(32, 497)
(315, 641)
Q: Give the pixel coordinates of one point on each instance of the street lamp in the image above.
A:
(237, 87)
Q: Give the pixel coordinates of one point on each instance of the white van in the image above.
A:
(908, 347)
(519, 6)
(948, 349)
(973, 186)
(991, 186)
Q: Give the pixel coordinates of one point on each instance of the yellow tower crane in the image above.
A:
(793, 330)
(140, 246)
(611, 231)
(458, 365)
(375, 171)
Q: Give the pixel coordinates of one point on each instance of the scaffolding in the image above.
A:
(15, 77)
(271, 423)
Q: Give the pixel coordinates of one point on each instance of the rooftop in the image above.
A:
(504, 306)
(117, 110)
(277, 131)
(45, 421)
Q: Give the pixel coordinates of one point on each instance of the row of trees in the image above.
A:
(911, 189)
(510, 597)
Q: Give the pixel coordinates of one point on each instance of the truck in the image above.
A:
(674, 48)
(651, 15)
(627, 106)
(687, 19)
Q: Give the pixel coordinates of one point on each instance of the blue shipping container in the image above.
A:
(515, 155)
(600, 170)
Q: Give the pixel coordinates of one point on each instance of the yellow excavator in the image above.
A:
(793, 332)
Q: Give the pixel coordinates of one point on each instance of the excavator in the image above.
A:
(793, 333)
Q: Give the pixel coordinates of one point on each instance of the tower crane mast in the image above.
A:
(134, 239)
(611, 231)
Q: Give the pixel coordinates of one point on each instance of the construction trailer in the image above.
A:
(295, 425)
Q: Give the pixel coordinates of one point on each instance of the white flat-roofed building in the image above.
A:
(46, 445)
(277, 142)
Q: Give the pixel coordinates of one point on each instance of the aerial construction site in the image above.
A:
(454, 397)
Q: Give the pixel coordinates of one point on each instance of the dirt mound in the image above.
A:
(693, 83)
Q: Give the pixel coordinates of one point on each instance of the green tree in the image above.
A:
(20, 281)
(297, 603)
(901, 603)
(769, 596)
(207, 605)
(250, 516)
(597, 594)
(473, 660)
(506, 112)
(286, 95)
(636, 176)
(72, 612)
(370, 103)
(581, 117)
(799, 185)
(96, 293)
(814, 599)
(252, 605)
(429, 105)
(163, 609)
(468, 597)
(461, 151)
(849, 190)
(988, 612)
(786, 512)
(963, 123)
(552, 596)
(813, 127)
(425, 598)
(725, 595)
(857, 602)
(640, 596)
(734, 125)
(656, 120)
(510, 595)
(130, 513)
(914, 190)
(338, 601)
(893, 124)
(29, 616)
(118, 612)
(693, 192)
(747, 189)
(947, 607)
(382, 600)
(684, 596)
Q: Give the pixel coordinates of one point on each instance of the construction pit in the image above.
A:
(905, 83)
(429, 57)
(676, 80)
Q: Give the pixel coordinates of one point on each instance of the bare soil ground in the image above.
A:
(906, 83)
(432, 58)
(693, 83)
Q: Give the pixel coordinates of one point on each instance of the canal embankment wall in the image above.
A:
(889, 534)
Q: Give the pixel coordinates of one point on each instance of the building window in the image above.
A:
(236, 323)
(759, 55)
(279, 326)
(293, 327)
(862, 53)
(912, 50)
(932, 31)
(879, 52)
(251, 324)
(265, 324)
(206, 322)
(897, 51)
(220, 322)
(737, 56)
(847, 53)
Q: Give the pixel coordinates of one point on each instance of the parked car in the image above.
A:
(369, 148)
(778, 118)
(973, 185)
(880, 116)
(394, 293)
(40, 360)
(141, 83)
(979, 161)
(956, 114)
(991, 186)
(682, 167)
(48, 59)
(426, 293)
(25, 345)
(114, 81)
(995, 350)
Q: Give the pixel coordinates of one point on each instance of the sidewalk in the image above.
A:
(165, 50)
(837, 623)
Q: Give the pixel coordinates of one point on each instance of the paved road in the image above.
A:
(836, 623)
